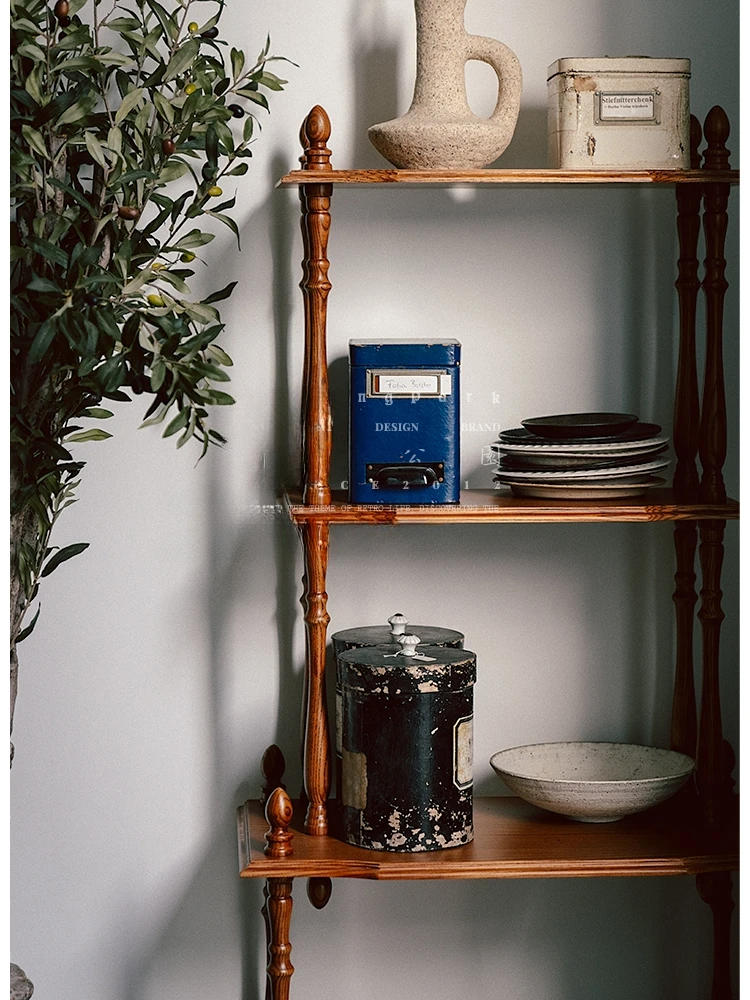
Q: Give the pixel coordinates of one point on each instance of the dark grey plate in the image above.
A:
(580, 425)
(638, 432)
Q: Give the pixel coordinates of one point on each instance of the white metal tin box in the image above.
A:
(625, 113)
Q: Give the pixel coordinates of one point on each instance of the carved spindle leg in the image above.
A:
(315, 285)
(684, 719)
(279, 907)
(317, 741)
(713, 430)
(685, 437)
(319, 891)
(715, 888)
(272, 765)
(686, 408)
(713, 445)
(304, 142)
(710, 772)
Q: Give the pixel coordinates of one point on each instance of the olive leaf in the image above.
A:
(123, 124)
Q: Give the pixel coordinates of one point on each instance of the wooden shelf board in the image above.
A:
(499, 506)
(512, 840)
(499, 176)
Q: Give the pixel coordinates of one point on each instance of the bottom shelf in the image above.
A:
(511, 840)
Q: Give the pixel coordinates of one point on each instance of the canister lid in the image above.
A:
(377, 635)
(386, 670)
(405, 353)
(601, 65)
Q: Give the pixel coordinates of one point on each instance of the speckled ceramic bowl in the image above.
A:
(592, 782)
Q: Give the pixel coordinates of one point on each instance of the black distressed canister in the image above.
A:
(407, 747)
(378, 635)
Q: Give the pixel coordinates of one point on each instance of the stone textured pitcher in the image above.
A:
(440, 131)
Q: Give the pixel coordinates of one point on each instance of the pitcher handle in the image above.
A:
(509, 78)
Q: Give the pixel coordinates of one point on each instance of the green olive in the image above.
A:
(155, 300)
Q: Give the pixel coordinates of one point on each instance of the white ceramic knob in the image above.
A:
(398, 624)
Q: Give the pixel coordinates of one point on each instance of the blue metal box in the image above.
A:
(404, 421)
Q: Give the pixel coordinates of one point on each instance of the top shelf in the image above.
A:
(448, 178)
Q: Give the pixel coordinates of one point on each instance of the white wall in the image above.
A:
(169, 655)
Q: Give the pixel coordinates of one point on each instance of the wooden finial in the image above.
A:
(696, 135)
(279, 815)
(716, 131)
(316, 131)
(272, 765)
(319, 891)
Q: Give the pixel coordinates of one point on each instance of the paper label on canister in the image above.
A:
(463, 752)
(627, 107)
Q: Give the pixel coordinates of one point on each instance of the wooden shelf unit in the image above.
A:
(453, 178)
(512, 839)
(500, 507)
(697, 832)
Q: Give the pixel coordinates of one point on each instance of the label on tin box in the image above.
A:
(627, 107)
(463, 752)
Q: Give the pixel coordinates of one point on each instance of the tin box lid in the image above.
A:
(405, 353)
(385, 670)
(378, 635)
(599, 65)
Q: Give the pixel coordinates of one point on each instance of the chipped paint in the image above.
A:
(583, 84)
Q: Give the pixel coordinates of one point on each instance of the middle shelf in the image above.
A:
(499, 506)
(512, 839)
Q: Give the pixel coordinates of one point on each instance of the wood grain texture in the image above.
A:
(278, 919)
(448, 178)
(513, 839)
(713, 427)
(686, 406)
(710, 772)
(278, 812)
(684, 729)
(715, 888)
(316, 222)
(317, 752)
(498, 506)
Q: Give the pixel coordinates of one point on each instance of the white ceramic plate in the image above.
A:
(586, 491)
(546, 475)
(592, 782)
(549, 448)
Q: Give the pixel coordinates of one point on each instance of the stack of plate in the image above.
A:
(581, 456)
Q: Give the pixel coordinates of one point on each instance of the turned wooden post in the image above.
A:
(715, 888)
(713, 429)
(713, 445)
(277, 905)
(317, 753)
(278, 920)
(685, 438)
(316, 221)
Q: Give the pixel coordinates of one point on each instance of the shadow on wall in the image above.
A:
(375, 74)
